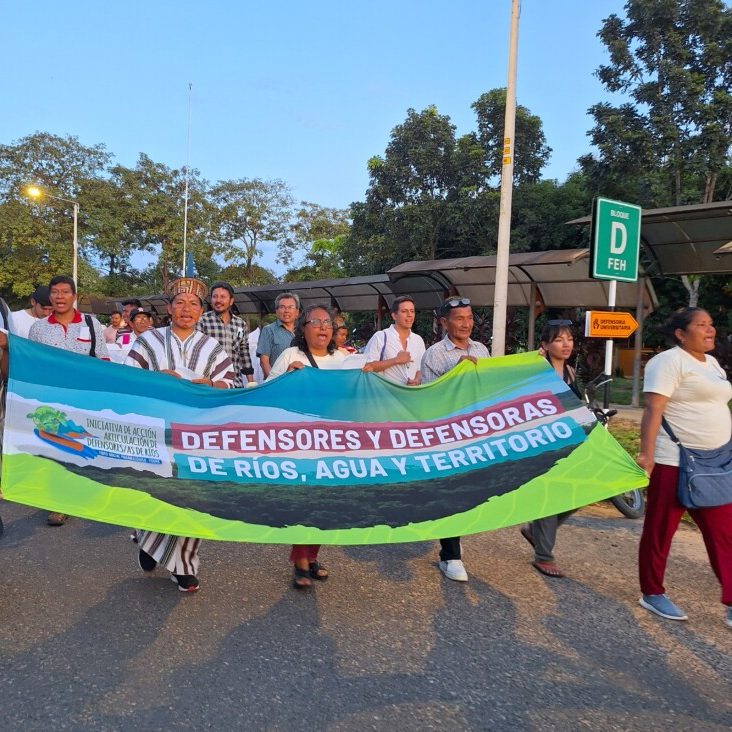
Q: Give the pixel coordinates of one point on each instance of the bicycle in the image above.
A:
(631, 504)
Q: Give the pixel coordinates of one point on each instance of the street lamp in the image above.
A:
(36, 192)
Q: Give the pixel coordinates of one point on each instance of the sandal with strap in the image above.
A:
(301, 579)
(318, 572)
(549, 569)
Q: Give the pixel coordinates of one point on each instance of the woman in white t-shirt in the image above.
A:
(313, 346)
(690, 389)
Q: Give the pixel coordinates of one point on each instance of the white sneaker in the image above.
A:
(454, 569)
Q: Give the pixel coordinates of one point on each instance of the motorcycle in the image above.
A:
(631, 504)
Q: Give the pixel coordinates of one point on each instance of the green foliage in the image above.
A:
(36, 236)
(434, 196)
(55, 163)
(323, 261)
(529, 141)
(247, 213)
(670, 143)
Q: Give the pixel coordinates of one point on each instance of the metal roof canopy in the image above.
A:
(687, 239)
(560, 278)
(350, 294)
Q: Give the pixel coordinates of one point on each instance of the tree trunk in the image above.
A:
(692, 287)
(677, 187)
(710, 185)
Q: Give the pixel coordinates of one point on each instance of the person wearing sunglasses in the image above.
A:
(456, 318)
(313, 346)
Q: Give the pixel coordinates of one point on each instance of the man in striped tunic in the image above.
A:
(185, 353)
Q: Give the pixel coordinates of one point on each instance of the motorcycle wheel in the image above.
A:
(631, 503)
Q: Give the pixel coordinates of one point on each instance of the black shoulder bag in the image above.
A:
(92, 335)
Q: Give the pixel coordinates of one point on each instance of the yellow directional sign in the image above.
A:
(601, 324)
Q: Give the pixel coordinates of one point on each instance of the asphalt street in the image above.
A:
(89, 643)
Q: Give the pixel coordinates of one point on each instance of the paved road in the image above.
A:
(88, 643)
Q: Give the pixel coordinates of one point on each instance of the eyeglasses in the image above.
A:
(320, 323)
(287, 307)
(559, 322)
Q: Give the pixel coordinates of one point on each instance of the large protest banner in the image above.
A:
(332, 457)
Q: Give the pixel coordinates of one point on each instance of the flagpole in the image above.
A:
(188, 176)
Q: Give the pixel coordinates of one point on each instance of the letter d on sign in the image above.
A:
(618, 229)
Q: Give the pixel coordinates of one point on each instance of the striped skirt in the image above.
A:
(178, 554)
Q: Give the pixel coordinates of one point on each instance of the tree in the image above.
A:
(669, 144)
(541, 211)
(36, 236)
(151, 197)
(313, 223)
(531, 151)
(323, 261)
(248, 213)
(407, 206)
(672, 142)
(58, 164)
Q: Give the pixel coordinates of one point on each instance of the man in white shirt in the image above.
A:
(396, 352)
(69, 329)
(40, 307)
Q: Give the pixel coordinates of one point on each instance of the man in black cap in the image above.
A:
(40, 307)
(140, 319)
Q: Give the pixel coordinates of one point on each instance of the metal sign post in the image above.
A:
(614, 253)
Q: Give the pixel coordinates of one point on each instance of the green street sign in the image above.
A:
(616, 228)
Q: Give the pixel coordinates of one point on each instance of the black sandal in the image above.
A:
(318, 572)
(301, 579)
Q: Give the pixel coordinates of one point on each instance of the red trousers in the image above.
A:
(304, 551)
(663, 514)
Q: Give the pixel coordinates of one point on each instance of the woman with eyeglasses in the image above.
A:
(557, 344)
(313, 346)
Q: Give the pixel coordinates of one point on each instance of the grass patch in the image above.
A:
(621, 391)
(627, 433)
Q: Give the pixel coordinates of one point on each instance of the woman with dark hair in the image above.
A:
(557, 344)
(313, 345)
(689, 388)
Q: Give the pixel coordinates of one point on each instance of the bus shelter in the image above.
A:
(536, 280)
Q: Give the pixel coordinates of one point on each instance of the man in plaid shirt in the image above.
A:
(229, 330)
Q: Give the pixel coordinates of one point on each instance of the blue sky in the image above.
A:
(305, 92)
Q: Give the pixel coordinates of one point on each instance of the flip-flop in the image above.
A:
(549, 569)
(526, 533)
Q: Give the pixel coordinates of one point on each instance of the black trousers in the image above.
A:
(450, 549)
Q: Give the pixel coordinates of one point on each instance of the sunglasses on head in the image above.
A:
(455, 302)
(559, 322)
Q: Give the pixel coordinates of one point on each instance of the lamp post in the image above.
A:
(36, 192)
